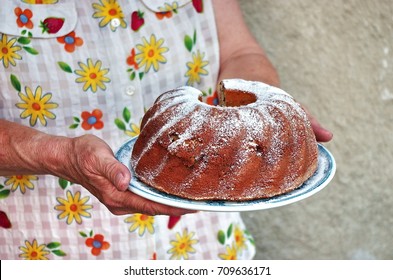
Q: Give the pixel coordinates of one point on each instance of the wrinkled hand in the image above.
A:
(92, 164)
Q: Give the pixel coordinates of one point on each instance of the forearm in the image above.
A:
(84, 160)
(240, 54)
(249, 66)
(24, 150)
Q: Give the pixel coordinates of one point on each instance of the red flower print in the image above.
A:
(162, 15)
(131, 59)
(70, 41)
(92, 119)
(212, 100)
(97, 243)
(23, 18)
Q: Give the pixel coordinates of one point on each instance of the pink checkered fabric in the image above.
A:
(108, 36)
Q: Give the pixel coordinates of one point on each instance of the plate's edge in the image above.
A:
(261, 204)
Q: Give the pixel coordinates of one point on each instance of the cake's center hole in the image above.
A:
(236, 98)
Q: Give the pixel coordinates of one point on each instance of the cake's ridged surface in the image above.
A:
(197, 151)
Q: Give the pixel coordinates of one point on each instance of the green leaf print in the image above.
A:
(132, 76)
(120, 124)
(59, 253)
(76, 124)
(15, 83)
(229, 231)
(24, 40)
(53, 245)
(64, 66)
(83, 234)
(63, 183)
(31, 50)
(4, 194)
(188, 42)
(221, 237)
(194, 41)
(126, 115)
(73, 126)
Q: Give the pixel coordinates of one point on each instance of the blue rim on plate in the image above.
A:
(320, 179)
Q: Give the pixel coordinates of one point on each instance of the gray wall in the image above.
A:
(335, 57)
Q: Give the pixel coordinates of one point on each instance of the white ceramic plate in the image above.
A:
(320, 179)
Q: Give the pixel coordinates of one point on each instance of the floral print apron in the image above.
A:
(76, 67)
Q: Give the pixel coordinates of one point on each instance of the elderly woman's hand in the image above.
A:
(91, 163)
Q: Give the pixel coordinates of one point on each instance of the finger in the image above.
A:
(321, 134)
(153, 208)
(132, 203)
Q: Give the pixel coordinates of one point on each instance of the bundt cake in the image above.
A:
(257, 143)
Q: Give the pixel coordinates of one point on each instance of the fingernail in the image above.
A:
(327, 131)
(120, 184)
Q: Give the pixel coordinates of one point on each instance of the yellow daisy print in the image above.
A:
(231, 253)
(196, 68)
(21, 181)
(107, 11)
(240, 239)
(169, 7)
(92, 76)
(150, 53)
(33, 251)
(73, 208)
(135, 130)
(141, 222)
(182, 246)
(8, 52)
(36, 106)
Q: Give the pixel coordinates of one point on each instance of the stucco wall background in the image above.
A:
(336, 58)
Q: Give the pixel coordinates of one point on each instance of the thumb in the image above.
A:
(119, 176)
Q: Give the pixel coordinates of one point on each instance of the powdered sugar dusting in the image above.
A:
(197, 121)
(155, 172)
(180, 97)
(258, 88)
(224, 130)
